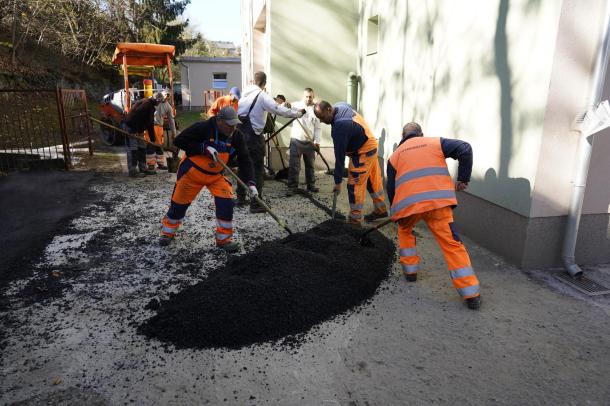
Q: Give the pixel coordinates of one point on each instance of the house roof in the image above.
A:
(208, 59)
(142, 53)
(224, 44)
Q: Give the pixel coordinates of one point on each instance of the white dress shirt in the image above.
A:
(264, 103)
(309, 121)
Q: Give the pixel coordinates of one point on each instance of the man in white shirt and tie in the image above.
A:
(251, 111)
(301, 144)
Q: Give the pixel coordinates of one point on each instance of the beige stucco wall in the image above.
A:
(475, 70)
(200, 77)
(312, 44)
(569, 94)
(255, 25)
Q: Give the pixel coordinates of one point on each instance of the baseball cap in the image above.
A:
(235, 91)
(228, 115)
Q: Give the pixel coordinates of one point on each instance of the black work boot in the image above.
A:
(372, 216)
(256, 208)
(473, 303)
(150, 170)
(411, 277)
(230, 247)
(313, 189)
(133, 165)
(141, 159)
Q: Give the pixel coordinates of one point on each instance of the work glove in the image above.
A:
(459, 186)
(253, 191)
(337, 188)
(211, 151)
(301, 112)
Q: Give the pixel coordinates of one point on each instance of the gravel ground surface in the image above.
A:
(533, 342)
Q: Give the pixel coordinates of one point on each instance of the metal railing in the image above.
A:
(42, 128)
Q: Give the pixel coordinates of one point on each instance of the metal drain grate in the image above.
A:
(583, 284)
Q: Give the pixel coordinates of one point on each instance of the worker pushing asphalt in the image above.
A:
(419, 185)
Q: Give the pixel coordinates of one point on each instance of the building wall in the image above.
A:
(200, 77)
(479, 73)
(506, 76)
(509, 77)
(569, 94)
(301, 44)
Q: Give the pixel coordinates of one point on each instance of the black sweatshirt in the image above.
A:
(202, 134)
(141, 117)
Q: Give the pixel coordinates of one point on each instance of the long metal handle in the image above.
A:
(279, 221)
(377, 227)
(127, 134)
(280, 130)
(334, 211)
(310, 138)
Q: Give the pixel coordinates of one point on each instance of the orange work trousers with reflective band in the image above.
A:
(364, 174)
(440, 223)
(189, 183)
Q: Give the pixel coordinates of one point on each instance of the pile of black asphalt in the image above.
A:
(277, 292)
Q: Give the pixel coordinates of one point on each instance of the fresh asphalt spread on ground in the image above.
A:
(532, 341)
(278, 291)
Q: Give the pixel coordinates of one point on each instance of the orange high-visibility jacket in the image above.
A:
(423, 182)
(371, 141)
(221, 102)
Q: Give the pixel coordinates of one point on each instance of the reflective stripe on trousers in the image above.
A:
(169, 226)
(224, 231)
(151, 159)
(364, 174)
(420, 197)
(440, 223)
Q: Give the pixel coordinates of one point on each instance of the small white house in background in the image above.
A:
(201, 73)
(228, 48)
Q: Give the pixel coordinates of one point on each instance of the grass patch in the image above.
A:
(187, 118)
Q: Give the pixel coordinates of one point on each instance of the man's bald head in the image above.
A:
(411, 129)
(324, 111)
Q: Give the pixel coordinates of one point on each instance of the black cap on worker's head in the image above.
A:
(228, 115)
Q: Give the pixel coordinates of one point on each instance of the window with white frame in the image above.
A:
(372, 35)
(219, 80)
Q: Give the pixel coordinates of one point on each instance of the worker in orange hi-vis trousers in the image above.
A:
(420, 187)
(232, 99)
(352, 137)
(205, 143)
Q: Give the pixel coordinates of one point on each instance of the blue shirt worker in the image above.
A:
(353, 138)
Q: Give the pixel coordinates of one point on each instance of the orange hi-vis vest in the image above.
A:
(423, 182)
(204, 163)
(371, 143)
(221, 102)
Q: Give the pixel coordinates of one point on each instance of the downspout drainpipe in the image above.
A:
(188, 83)
(352, 90)
(584, 156)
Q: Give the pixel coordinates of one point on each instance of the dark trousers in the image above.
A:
(256, 149)
(304, 149)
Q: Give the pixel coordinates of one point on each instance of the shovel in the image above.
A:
(365, 241)
(334, 211)
(279, 221)
(310, 140)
